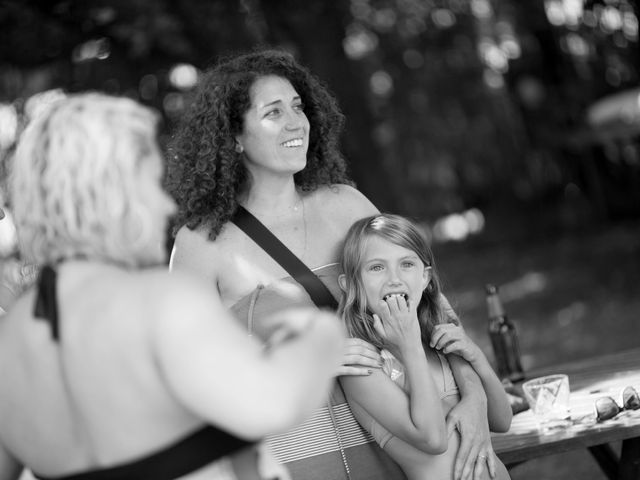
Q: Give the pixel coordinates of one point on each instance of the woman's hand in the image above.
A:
(359, 358)
(451, 338)
(475, 454)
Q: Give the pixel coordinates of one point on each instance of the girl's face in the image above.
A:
(389, 270)
(275, 135)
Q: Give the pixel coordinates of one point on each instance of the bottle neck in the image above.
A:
(494, 307)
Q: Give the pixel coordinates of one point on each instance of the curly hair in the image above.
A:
(206, 174)
(73, 184)
(353, 304)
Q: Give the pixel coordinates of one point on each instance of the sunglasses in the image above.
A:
(607, 407)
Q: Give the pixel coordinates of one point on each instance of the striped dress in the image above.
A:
(330, 445)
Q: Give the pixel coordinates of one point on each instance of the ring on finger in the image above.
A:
(483, 457)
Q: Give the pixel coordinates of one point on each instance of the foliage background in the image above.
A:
(459, 112)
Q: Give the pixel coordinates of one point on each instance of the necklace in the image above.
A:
(291, 208)
(276, 222)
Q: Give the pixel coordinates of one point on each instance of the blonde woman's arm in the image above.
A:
(219, 373)
(10, 468)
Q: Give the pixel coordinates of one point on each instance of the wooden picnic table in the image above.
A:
(589, 379)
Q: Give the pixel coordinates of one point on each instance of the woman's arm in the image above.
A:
(193, 252)
(228, 378)
(10, 468)
(469, 416)
(452, 339)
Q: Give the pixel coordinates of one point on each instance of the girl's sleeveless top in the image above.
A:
(330, 445)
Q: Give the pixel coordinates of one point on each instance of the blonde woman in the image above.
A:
(111, 366)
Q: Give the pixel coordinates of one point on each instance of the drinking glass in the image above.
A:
(548, 398)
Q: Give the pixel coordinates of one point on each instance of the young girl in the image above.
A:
(392, 299)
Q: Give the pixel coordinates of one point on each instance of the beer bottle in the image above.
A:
(504, 338)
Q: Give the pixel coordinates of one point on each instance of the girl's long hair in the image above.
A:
(353, 305)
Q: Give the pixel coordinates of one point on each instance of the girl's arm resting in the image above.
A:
(10, 468)
(417, 419)
(219, 373)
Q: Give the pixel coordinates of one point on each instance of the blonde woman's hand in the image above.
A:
(294, 322)
(451, 338)
(359, 358)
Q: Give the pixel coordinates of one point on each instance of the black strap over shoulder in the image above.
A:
(46, 306)
(186, 455)
(260, 234)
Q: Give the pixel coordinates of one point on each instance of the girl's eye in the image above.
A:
(375, 268)
(408, 264)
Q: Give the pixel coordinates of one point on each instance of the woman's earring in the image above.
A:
(239, 148)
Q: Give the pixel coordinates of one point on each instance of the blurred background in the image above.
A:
(510, 130)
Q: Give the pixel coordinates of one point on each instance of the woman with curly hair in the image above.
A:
(261, 141)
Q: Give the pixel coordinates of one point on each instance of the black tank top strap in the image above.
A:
(187, 455)
(46, 307)
(184, 456)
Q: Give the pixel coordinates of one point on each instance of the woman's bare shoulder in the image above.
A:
(193, 249)
(345, 201)
(171, 293)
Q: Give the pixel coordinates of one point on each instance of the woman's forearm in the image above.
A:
(498, 407)
(479, 382)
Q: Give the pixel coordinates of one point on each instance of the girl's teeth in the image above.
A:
(391, 295)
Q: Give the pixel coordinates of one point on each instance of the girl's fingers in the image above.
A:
(385, 310)
(378, 327)
(436, 335)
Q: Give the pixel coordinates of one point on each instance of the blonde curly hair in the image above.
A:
(73, 181)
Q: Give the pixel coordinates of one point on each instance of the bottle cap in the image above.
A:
(490, 288)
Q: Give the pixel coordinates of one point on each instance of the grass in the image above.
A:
(572, 294)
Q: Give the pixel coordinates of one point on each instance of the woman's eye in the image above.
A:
(273, 113)
(408, 264)
(299, 107)
(375, 268)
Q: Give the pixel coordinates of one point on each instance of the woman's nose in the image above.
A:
(294, 120)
